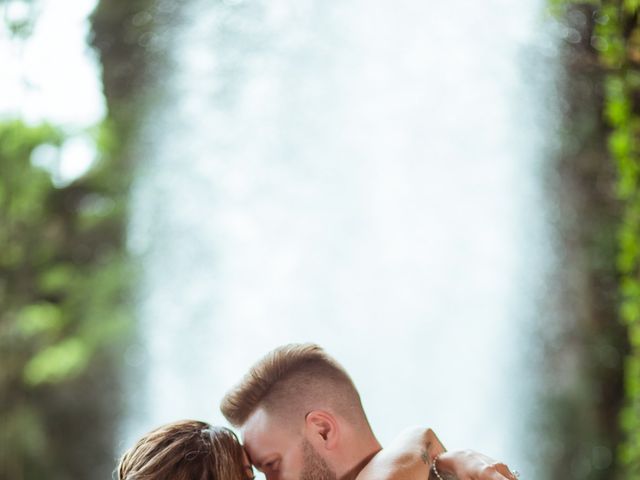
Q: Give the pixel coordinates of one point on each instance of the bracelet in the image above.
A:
(515, 473)
(434, 468)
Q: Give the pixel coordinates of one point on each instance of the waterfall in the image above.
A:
(361, 174)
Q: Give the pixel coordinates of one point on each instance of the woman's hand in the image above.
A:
(470, 465)
(410, 457)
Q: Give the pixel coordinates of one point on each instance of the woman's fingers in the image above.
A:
(496, 471)
(505, 472)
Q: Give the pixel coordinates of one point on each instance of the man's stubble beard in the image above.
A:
(314, 467)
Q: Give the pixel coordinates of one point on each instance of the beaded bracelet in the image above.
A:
(515, 473)
(435, 469)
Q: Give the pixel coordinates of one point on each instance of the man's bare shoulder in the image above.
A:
(407, 457)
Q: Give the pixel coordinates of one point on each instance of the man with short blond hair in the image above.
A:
(301, 418)
(289, 380)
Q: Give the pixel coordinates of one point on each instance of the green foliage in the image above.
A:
(621, 33)
(63, 273)
(57, 362)
(558, 7)
(62, 292)
(615, 48)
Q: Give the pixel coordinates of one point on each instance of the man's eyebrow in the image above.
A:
(252, 461)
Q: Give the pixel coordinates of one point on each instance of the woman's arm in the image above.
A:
(471, 465)
(411, 455)
(408, 457)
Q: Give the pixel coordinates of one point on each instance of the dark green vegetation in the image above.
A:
(622, 109)
(600, 168)
(64, 290)
(65, 315)
(130, 37)
(63, 297)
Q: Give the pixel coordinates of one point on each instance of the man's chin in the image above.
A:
(314, 466)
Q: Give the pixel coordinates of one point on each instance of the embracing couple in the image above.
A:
(301, 418)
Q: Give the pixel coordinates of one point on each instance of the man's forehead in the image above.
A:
(258, 420)
(263, 435)
(255, 431)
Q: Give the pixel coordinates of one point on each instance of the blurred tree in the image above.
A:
(62, 304)
(131, 38)
(64, 315)
(617, 39)
(601, 160)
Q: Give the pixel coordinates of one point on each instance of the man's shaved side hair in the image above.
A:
(291, 381)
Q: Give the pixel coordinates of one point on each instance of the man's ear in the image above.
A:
(322, 429)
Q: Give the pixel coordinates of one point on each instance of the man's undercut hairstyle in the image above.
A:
(291, 381)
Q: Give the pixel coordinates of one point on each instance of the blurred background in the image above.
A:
(442, 194)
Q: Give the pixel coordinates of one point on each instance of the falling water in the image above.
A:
(361, 174)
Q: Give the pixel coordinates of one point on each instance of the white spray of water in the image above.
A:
(361, 174)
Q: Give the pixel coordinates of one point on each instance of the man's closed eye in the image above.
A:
(270, 466)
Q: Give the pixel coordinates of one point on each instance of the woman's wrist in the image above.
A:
(444, 465)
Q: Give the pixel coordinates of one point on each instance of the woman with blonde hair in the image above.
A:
(186, 450)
